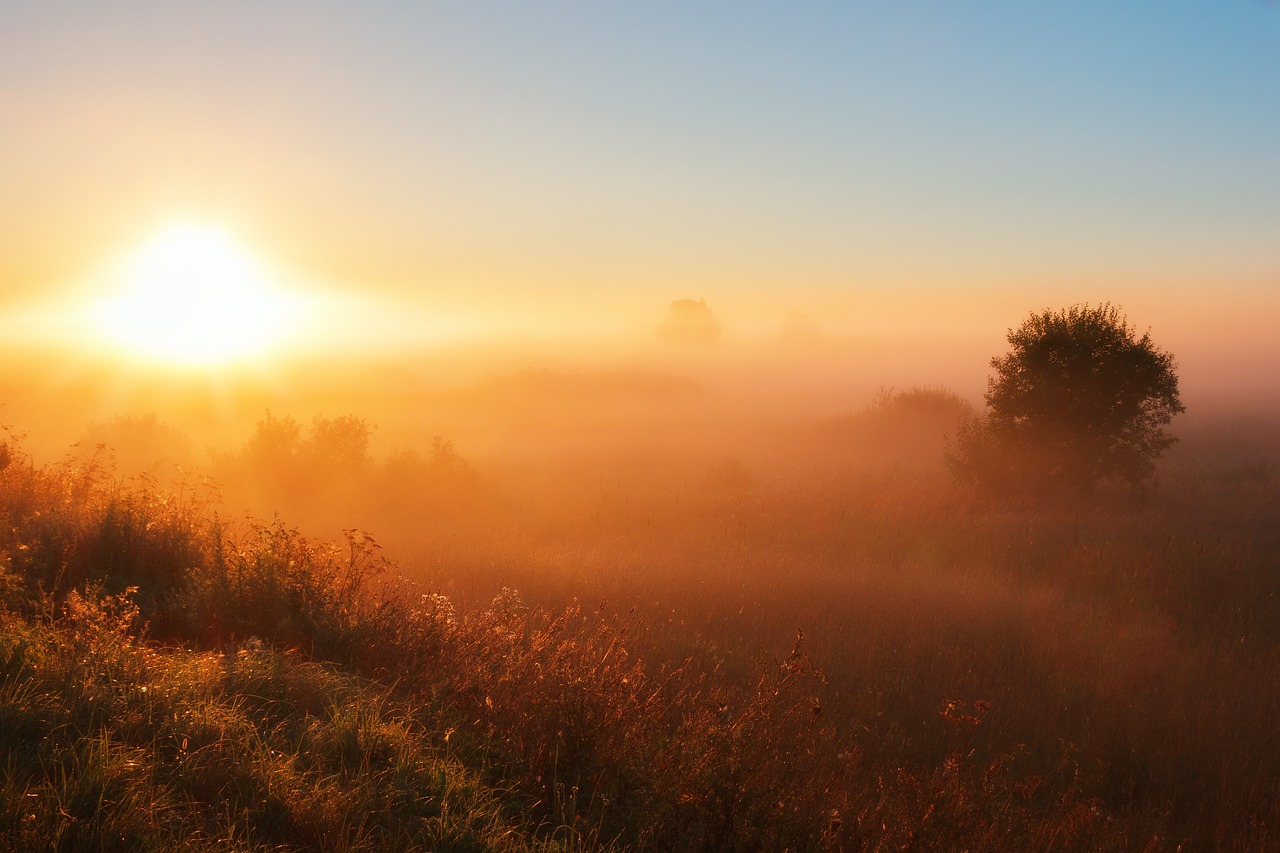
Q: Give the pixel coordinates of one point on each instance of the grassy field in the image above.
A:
(807, 640)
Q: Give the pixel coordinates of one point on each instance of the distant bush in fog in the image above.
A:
(907, 428)
(689, 321)
(328, 474)
(341, 442)
(139, 443)
(919, 403)
(912, 425)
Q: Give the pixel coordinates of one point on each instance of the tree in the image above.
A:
(274, 444)
(339, 444)
(689, 320)
(1080, 399)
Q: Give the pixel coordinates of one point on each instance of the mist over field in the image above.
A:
(488, 391)
(1093, 670)
(639, 427)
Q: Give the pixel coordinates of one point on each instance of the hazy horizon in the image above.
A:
(471, 191)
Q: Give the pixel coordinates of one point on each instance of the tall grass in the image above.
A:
(970, 675)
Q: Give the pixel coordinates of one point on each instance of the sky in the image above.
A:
(895, 170)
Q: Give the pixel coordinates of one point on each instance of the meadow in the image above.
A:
(634, 622)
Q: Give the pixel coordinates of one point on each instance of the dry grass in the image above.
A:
(970, 675)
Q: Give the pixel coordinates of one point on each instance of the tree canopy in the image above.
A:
(689, 321)
(1079, 399)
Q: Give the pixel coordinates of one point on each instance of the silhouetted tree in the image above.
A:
(1080, 399)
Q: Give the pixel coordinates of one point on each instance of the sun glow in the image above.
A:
(192, 296)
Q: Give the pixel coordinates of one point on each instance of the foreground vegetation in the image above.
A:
(971, 675)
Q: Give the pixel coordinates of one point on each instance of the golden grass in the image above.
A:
(970, 674)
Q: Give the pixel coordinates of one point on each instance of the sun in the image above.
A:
(192, 296)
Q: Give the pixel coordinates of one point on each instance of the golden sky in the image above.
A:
(437, 172)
